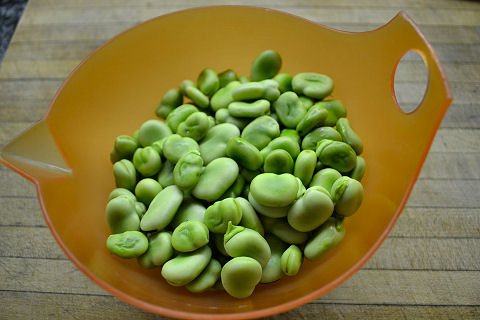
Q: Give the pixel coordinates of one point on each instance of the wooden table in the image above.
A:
(428, 267)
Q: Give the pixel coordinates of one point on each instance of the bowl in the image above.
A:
(116, 88)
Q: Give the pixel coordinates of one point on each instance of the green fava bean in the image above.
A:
(162, 209)
(240, 276)
(325, 178)
(172, 99)
(125, 174)
(197, 96)
(179, 115)
(165, 176)
(285, 232)
(266, 65)
(313, 85)
(224, 116)
(146, 190)
(249, 109)
(147, 161)
(311, 140)
(305, 166)
(307, 102)
(226, 77)
(219, 214)
(121, 215)
(189, 236)
(184, 85)
(359, 169)
(248, 91)
(214, 145)
(349, 136)
(348, 196)
(207, 278)
(159, 251)
(278, 161)
(291, 260)
(140, 209)
(272, 212)
(289, 109)
(121, 192)
(291, 133)
(301, 189)
(283, 142)
(188, 169)
(217, 177)
(185, 267)
(129, 244)
(243, 79)
(235, 189)
(244, 153)
(249, 216)
(195, 126)
(191, 210)
(314, 117)
(208, 82)
(284, 81)
(273, 269)
(310, 211)
(151, 131)
(274, 190)
(223, 97)
(125, 146)
(175, 146)
(271, 89)
(326, 238)
(243, 242)
(336, 110)
(336, 154)
(261, 131)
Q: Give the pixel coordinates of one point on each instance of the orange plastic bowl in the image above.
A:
(117, 88)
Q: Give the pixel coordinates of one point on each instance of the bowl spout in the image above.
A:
(34, 154)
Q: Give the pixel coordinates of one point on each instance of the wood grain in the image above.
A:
(427, 268)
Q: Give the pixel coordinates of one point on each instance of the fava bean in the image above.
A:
(274, 190)
(185, 267)
(121, 192)
(291, 133)
(197, 96)
(124, 147)
(272, 271)
(325, 178)
(249, 109)
(272, 212)
(243, 242)
(214, 145)
(151, 131)
(146, 190)
(172, 99)
(208, 82)
(336, 154)
(307, 102)
(359, 169)
(235, 189)
(284, 142)
(326, 238)
(223, 97)
(190, 210)
(289, 109)
(310, 211)
(125, 174)
(188, 169)
(314, 117)
(249, 216)
(165, 176)
(271, 90)
(121, 215)
(284, 81)
(248, 91)
(313, 85)
(266, 65)
(244, 153)
(240, 276)
(285, 232)
(162, 209)
(224, 116)
(129, 244)
(189, 236)
(305, 166)
(179, 115)
(291, 260)
(140, 209)
(219, 214)
(175, 146)
(207, 278)
(226, 77)
(184, 85)
(278, 161)
(217, 177)
(311, 140)
(336, 110)
(195, 126)
(349, 136)
(159, 250)
(261, 131)
(347, 193)
(147, 161)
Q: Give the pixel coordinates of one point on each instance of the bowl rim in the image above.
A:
(244, 315)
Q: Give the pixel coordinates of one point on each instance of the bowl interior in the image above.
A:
(118, 87)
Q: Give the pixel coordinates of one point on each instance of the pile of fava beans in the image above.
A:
(244, 178)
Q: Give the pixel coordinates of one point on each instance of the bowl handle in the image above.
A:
(404, 35)
(34, 154)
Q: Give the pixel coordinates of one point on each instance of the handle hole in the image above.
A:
(410, 82)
